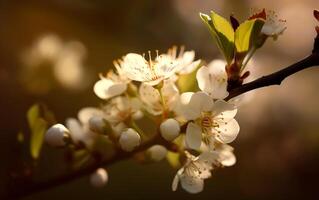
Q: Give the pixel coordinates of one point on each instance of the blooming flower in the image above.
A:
(151, 72)
(185, 60)
(213, 79)
(153, 101)
(210, 121)
(113, 84)
(120, 109)
(273, 26)
(194, 171)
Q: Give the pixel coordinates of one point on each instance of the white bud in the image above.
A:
(170, 129)
(99, 178)
(157, 152)
(97, 124)
(137, 115)
(55, 135)
(129, 139)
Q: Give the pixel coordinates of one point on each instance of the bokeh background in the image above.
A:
(52, 51)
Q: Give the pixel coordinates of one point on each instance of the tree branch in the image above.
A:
(277, 77)
(18, 191)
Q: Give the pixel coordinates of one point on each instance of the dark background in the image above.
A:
(277, 149)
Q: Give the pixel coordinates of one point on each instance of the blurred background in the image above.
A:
(52, 51)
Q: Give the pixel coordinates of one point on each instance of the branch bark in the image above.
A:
(275, 78)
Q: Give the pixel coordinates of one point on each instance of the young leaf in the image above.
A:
(246, 34)
(33, 114)
(37, 134)
(187, 82)
(222, 33)
(37, 126)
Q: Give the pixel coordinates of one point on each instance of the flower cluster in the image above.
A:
(194, 122)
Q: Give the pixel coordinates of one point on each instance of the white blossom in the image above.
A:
(129, 139)
(151, 72)
(185, 60)
(113, 84)
(56, 134)
(80, 133)
(212, 79)
(210, 121)
(157, 152)
(99, 178)
(120, 109)
(194, 171)
(273, 26)
(153, 101)
(169, 129)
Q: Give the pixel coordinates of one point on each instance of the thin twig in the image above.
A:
(275, 78)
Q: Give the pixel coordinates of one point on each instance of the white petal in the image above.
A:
(192, 104)
(225, 110)
(227, 131)
(213, 79)
(193, 136)
(192, 184)
(176, 178)
(135, 67)
(175, 182)
(151, 99)
(106, 88)
(85, 114)
(227, 158)
(78, 133)
(202, 102)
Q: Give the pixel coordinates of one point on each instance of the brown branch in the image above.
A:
(277, 77)
(18, 191)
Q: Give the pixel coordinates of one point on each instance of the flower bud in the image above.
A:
(137, 115)
(129, 139)
(97, 124)
(56, 134)
(99, 178)
(157, 152)
(170, 129)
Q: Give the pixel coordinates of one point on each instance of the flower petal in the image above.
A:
(224, 110)
(135, 67)
(213, 79)
(85, 114)
(192, 184)
(193, 136)
(106, 88)
(227, 131)
(201, 102)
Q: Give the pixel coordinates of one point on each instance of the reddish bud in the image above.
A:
(234, 22)
(316, 14)
(245, 75)
(261, 15)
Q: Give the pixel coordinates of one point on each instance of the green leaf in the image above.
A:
(188, 82)
(222, 33)
(33, 114)
(37, 126)
(37, 134)
(246, 35)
